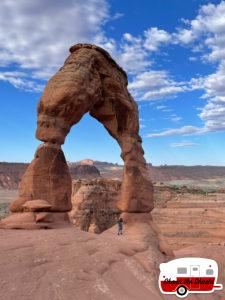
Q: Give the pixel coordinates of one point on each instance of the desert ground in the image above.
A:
(69, 263)
(6, 196)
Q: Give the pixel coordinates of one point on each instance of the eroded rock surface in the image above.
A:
(93, 203)
(46, 178)
(72, 264)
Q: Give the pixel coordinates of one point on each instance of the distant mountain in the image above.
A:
(11, 173)
(165, 172)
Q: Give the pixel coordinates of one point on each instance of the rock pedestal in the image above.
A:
(47, 178)
(44, 192)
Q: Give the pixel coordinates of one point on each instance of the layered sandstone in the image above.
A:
(46, 178)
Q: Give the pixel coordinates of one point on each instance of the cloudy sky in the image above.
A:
(172, 50)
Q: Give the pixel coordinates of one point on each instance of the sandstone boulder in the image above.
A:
(94, 203)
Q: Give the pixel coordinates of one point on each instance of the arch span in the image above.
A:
(89, 81)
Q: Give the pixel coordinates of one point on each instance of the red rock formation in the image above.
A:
(90, 81)
(93, 204)
(46, 178)
(46, 186)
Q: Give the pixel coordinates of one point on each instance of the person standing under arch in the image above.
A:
(120, 223)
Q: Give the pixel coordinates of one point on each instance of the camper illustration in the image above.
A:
(183, 276)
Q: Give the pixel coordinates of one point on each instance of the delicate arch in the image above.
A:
(89, 81)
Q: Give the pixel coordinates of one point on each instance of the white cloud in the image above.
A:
(183, 144)
(213, 113)
(132, 56)
(185, 130)
(133, 53)
(19, 80)
(39, 34)
(185, 36)
(163, 92)
(207, 31)
(161, 107)
(206, 35)
(176, 119)
(36, 35)
(117, 15)
(210, 22)
(214, 83)
(154, 85)
(155, 37)
(128, 52)
(210, 18)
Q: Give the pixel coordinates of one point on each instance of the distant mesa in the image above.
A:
(84, 169)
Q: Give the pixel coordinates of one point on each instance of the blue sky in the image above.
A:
(172, 50)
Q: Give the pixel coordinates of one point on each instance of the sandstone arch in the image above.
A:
(89, 81)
